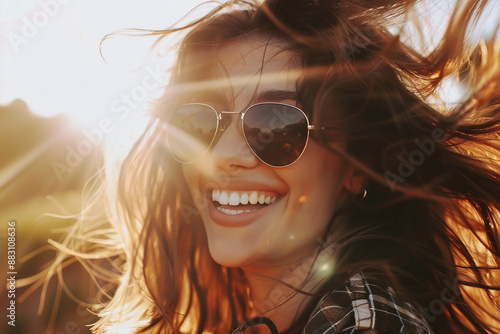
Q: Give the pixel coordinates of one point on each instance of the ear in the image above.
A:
(356, 182)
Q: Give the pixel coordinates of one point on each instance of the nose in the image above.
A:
(231, 150)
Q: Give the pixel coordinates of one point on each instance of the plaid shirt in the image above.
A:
(364, 308)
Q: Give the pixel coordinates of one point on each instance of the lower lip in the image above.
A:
(238, 220)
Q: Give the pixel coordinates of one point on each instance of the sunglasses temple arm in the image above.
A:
(326, 125)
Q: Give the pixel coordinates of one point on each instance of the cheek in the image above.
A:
(316, 204)
(191, 176)
(317, 183)
(188, 174)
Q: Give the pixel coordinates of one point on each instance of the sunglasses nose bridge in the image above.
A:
(229, 145)
(220, 113)
(224, 125)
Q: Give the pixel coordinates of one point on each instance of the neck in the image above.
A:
(283, 293)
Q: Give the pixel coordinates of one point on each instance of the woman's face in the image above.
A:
(302, 196)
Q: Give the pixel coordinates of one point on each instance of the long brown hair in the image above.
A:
(430, 219)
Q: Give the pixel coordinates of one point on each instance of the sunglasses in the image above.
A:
(277, 133)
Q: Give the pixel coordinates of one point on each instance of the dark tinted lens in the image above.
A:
(190, 131)
(276, 133)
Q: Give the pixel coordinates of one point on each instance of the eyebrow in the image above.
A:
(276, 95)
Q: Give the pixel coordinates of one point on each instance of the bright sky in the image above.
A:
(49, 53)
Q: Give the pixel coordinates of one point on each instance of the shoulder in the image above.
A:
(364, 307)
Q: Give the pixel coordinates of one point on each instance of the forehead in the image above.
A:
(247, 66)
(261, 58)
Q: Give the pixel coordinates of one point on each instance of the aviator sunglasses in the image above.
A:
(277, 133)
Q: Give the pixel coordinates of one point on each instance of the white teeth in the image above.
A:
(253, 197)
(223, 199)
(235, 198)
(244, 198)
(261, 199)
(234, 212)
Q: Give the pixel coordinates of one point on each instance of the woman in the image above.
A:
(297, 176)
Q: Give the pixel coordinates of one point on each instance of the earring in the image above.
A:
(365, 192)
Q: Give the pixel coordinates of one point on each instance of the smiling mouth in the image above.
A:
(238, 202)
